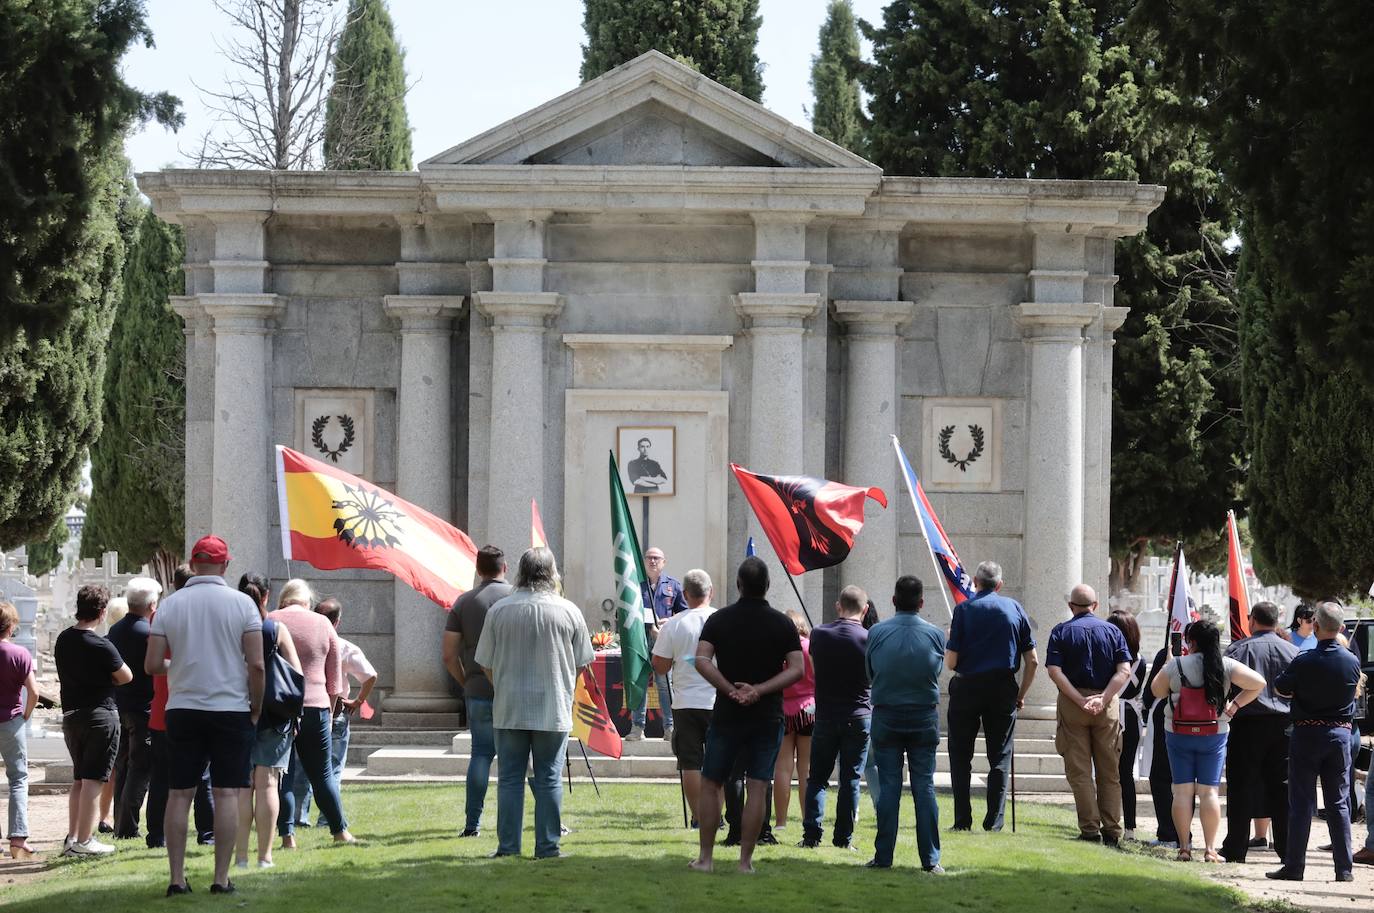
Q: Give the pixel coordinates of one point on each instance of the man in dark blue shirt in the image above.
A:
(1320, 684)
(134, 763)
(843, 711)
(1089, 662)
(903, 663)
(662, 594)
(989, 638)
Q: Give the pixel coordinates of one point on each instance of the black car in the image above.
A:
(1361, 634)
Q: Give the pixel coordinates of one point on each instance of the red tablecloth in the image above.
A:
(606, 668)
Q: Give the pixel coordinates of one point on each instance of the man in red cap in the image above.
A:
(214, 695)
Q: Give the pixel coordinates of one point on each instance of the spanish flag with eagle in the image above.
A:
(333, 520)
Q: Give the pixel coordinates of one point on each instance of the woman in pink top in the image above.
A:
(18, 696)
(317, 648)
(798, 722)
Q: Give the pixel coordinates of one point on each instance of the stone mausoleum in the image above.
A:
(653, 262)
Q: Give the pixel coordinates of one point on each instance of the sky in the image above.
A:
(474, 63)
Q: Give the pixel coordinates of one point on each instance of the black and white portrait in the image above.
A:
(647, 458)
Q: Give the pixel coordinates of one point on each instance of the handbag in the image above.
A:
(283, 698)
(1193, 713)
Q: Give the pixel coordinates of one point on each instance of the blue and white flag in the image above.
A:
(942, 553)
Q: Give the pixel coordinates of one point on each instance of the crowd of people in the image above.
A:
(215, 698)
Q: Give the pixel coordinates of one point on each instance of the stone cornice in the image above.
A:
(1106, 208)
(665, 341)
(519, 310)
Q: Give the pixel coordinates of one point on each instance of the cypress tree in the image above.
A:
(718, 38)
(63, 105)
(366, 127)
(47, 554)
(1072, 90)
(837, 114)
(138, 463)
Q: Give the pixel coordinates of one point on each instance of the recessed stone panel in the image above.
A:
(962, 444)
(336, 427)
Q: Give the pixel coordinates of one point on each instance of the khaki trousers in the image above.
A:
(1087, 742)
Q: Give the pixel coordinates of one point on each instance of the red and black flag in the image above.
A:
(810, 522)
(1238, 597)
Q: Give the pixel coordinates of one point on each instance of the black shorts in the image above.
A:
(224, 739)
(755, 743)
(689, 737)
(92, 738)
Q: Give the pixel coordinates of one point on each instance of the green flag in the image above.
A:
(630, 613)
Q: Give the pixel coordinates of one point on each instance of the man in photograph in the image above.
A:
(646, 475)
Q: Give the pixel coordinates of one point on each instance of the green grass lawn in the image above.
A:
(628, 852)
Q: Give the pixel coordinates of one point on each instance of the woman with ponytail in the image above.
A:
(1196, 719)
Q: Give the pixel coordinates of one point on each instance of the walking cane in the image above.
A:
(682, 788)
(591, 773)
(568, 759)
(1013, 787)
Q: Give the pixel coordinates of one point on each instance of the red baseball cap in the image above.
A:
(211, 549)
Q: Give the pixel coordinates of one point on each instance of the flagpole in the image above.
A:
(799, 599)
(1169, 601)
(930, 549)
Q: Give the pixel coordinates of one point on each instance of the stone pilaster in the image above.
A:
(241, 490)
(424, 476)
(515, 438)
(1053, 536)
(200, 403)
(870, 419)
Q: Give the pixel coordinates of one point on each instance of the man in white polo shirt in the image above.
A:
(215, 683)
(694, 697)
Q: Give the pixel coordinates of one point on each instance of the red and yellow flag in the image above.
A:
(333, 520)
(537, 537)
(591, 718)
(1239, 594)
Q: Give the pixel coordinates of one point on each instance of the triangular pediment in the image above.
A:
(651, 111)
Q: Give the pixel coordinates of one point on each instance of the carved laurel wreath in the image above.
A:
(317, 436)
(948, 432)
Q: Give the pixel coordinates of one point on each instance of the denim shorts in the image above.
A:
(273, 748)
(753, 741)
(1196, 758)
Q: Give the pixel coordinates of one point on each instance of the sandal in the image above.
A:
(21, 851)
(1211, 856)
(1185, 854)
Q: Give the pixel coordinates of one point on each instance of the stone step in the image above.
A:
(388, 719)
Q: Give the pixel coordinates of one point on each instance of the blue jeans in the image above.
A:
(338, 757)
(14, 752)
(1318, 753)
(1369, 809)
(311, 758)
(516, 748)
(916, 747)
(479, 764)
(875, 787)
(665, 703)
(845, 741)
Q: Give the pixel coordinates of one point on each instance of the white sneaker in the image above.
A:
(240, 863)
(91, 847)
(266, 864)
(636, 734)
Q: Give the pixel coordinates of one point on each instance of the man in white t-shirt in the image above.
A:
(215, 684)
(693, 696)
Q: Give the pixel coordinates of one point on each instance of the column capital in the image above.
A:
(242, 312)
(1061, 321)
(873, 318)
(781, 218)
(418, 313)
(519, 310)
(1112, 319)
(770, 309)
(519, 215)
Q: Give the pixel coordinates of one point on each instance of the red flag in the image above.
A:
(1239, 595)
(810, 522)
(592, 719)
(537, 537)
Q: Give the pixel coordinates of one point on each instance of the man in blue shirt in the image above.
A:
(1320, 685)
(843, 711)
(989, 638)
(662, 593)
(1089, 662)
(903, 660)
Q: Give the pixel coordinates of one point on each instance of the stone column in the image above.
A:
(200, 402)
(516, 444)
(242, 496)
(424, 476)
(1053, 536)
(870, 418)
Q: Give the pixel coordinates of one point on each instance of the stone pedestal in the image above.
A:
(242, 494)
(516, 443)
(1054, 473)
(776, 401)
(870, 420)
(423, 477)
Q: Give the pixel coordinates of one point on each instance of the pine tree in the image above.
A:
(366, 127)
(50, 386)
(837, 114)
(719, 38)
(138, 463)
(63, 105)
(1071, 90)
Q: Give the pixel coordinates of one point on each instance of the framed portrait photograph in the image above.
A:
(647, 455)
